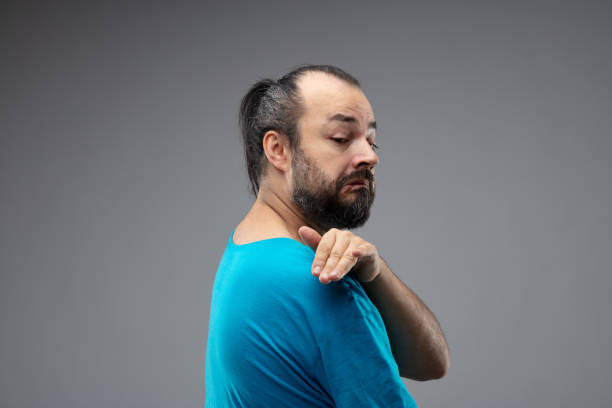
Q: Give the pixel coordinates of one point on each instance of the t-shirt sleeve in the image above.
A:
(357, 367)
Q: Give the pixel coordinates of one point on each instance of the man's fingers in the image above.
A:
(322, 252)
(336, 253)
(345, 264)
(309, 236)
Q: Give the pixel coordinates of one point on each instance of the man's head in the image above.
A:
(310, 134)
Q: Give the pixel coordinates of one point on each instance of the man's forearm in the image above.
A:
(417, 342)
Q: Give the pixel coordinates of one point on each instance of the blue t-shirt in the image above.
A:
(278, 337)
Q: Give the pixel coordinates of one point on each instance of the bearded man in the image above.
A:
(304, 313)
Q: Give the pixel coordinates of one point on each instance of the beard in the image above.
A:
(321, 201)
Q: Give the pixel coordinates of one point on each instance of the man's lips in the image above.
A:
(357, 182)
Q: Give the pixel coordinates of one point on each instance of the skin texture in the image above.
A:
(303, 196)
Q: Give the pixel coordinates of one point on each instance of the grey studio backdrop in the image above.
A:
(122, 176)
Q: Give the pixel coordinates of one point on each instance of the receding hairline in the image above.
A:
(310, 74)
(338, 115)
(306, 74)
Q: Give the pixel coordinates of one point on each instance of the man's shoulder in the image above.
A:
(282, 268)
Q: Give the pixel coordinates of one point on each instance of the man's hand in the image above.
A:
(416, 339)
(339, 252)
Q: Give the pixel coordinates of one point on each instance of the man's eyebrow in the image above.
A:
(349, 119)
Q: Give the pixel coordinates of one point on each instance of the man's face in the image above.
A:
(336, 129)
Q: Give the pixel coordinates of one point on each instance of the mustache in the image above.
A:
(360, 174)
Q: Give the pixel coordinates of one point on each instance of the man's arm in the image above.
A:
(417, 342)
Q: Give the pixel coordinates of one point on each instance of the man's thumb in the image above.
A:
(309, 236)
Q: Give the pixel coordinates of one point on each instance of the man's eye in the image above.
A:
(342, 141)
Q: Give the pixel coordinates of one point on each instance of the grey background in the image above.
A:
(121, 178)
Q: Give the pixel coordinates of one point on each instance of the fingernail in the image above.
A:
(316, 270)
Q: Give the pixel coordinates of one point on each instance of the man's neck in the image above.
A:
(272, 212)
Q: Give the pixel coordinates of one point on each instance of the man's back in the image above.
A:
(279, 338)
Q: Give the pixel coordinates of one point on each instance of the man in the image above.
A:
(279, 336)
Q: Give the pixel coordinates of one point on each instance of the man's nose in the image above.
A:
(366, 155)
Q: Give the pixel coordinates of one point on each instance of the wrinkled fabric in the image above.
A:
(278, 337)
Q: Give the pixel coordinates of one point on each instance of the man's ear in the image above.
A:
(276, 149)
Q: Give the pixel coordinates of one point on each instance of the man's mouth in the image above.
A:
(356, 184)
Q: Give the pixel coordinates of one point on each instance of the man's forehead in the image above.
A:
(332, 100)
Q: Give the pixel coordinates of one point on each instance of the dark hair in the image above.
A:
(275, 105)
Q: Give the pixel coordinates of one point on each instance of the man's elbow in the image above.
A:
(437, 370)
(432, 370)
